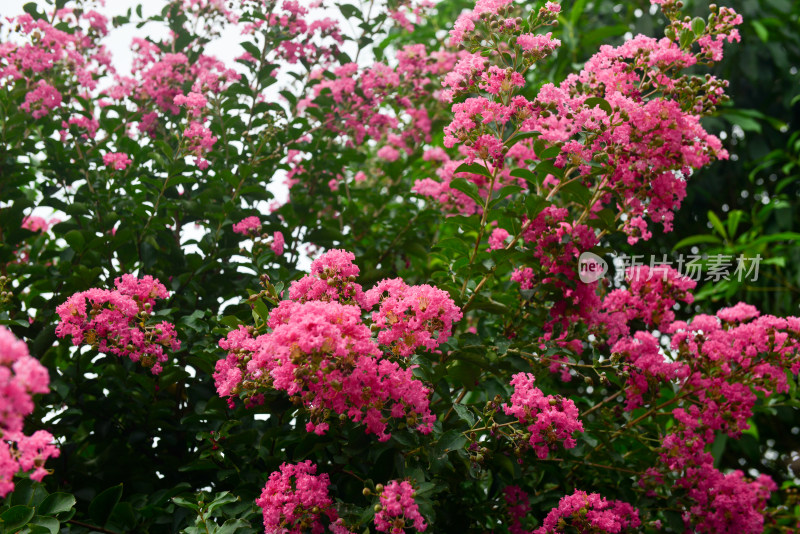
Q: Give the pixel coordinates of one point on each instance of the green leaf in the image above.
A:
(474, 168)
(75, 240)
(231, 526)
(718, 448)
(505, 192)
(717, 224)
(595, 101)
(760, 30)
(350, 11)
(577, 192)
(450, 441)
(468, 188)
(184, 503)
(50, 524)
(696, 240)
(733, 221)
(686, 39)
(33, 10)
(464, 413)
(545, 167)
(530, 177)
(101, 506)
(16, 517)
(698, 26)
(261, 309)
(56, 503)
(23, 490)
(222, 499)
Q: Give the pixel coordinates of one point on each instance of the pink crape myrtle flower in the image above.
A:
(277, 243)
(497, 240)
(194, 102)
(549, 419)
(38, 224)
(295, 500)
(247, 226)
(322, 354)
(117, 160)
(114, 321)
(518, 506)
(590, 513)
(21, 377)
(332, 277)
(388, 153)
(399, 510)
(41, 100)
(411, 316)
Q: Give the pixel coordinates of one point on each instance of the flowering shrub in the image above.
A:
(354, 254)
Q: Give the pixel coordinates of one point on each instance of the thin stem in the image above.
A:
(602, 403)
(482, 228)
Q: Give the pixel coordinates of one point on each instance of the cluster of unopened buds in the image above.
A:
(5, 294)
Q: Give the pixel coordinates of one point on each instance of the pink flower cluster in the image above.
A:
(277, 243)
(247, 226)
(718, 363)
(295, 499)
(727, 358)
(645, 142)
(587, 513)
(411, 316)
(314, 41)
(556, 246)
(194, 102)
(43, 51)
(399, 511)
(21, 376)
(650, 297)
(551, 419)
(117, 160)
(41, 100)
(320, 352)
(465, 23)
(455, 200)
(332, 278)
(199, 141)
(497, 240)
(114, 323)
(38, 224)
